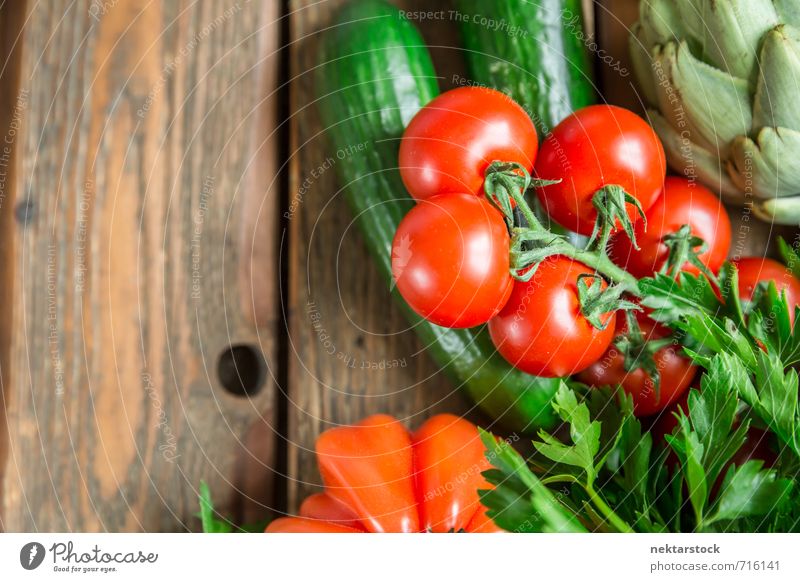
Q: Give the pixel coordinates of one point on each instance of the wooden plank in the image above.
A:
(143, 195)
(612, 20)
(12, 102)
(340, 314)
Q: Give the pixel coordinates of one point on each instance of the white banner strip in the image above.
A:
(334, 557)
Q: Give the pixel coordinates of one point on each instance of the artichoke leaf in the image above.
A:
(660, 22)
(690, 14)
(778, 86)
(767, 167)
(788, 11)
(693, 162)
(733, 31)
(643, 63)
(713, 105)
(668, 98)
(779, 210)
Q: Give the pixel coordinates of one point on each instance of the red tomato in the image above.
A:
(541, 329)
(682, 202)
(378, 478)
(677, 373)
(599, 145)
(450, 142)
(753, 270)
(450, 259)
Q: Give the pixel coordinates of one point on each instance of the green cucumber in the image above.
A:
(533, 51)
(374, 74)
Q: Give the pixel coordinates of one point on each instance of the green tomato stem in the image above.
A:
(507, 181)
(603, 265)
(559, 479)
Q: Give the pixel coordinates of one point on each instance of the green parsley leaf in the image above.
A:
(694, 472)
(790, 256)
(672, 299)
(750, 491)
(519, 501)
(776, 401)
(584, 432)
(211, 523)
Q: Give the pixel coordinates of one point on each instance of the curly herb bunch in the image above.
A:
(608, 474)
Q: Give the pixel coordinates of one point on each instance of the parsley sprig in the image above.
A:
(214, 522)
(604, 473)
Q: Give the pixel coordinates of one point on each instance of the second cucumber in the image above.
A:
(374, 74)
(533, 51)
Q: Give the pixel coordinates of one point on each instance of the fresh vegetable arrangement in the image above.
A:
(660, 379)
(569, 304)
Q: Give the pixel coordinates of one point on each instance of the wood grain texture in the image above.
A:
(613, 19)
(341, 317)
(12, 16)
(143, 197)
(138, 217)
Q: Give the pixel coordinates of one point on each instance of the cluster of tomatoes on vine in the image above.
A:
(472, 252)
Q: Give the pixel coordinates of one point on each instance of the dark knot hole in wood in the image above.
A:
(242, 370)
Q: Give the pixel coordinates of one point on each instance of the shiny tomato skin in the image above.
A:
(450, 142)
(598, 146)
(307, 525)
(450, 259)
(753, 270)
(448, 461)
(368, 467)
(682, 202)
(541, 330)
(677, 373)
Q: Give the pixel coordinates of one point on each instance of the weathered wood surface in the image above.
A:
(11, 20)
(142, 200)
(135, 118)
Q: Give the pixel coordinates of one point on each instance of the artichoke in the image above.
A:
(722, 81)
